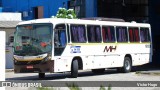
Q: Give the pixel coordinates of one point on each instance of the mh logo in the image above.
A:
(109, 48)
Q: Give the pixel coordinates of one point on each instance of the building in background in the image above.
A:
(129, 10)
(33, 9)
(154, 20)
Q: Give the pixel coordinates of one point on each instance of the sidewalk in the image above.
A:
(148, 69)
(9, 70)
(154, 72)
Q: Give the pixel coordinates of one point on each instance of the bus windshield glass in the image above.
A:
(33, 39)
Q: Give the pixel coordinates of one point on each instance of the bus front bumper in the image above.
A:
(35, 68)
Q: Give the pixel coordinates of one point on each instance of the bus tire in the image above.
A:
(74, 69)
(98, 70)
(127, 65)
(41, 75)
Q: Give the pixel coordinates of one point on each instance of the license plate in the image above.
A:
(29, 67)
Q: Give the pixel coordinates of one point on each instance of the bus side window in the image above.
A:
(94, 33)
(144, 34)
(121, 33)
(60, 35)
(108, 34)
(133, 34)
(78, 33)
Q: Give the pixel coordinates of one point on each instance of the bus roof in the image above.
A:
(104, 19)
(55, 21)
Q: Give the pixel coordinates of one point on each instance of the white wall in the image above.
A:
(2, 57)
(10, 17)
(8, 48)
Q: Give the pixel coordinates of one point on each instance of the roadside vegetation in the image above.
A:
(64, 13)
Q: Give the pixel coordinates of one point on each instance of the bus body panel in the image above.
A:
(93, 57)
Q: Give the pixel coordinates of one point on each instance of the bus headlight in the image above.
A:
(48, 57)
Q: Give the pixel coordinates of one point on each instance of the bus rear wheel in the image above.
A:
(41, 75)
(74, 69)
(127, 65)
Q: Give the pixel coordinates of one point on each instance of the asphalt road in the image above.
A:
(108, 75)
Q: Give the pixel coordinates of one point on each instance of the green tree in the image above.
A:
(64, 13)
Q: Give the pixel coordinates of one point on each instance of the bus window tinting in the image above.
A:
(144, 34)
(60, 36)
(121, 33)
(78, 33)
(94, 33)
(133, 34)
(108, 34)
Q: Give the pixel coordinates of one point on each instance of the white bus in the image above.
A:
(68, 45)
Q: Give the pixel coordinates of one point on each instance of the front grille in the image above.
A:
(27, 62)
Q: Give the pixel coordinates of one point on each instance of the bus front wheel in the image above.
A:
(41, 75)
(74, 69)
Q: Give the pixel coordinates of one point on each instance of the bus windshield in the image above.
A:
(33, 39)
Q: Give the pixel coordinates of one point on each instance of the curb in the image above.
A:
(156, 73)
(9, 70)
